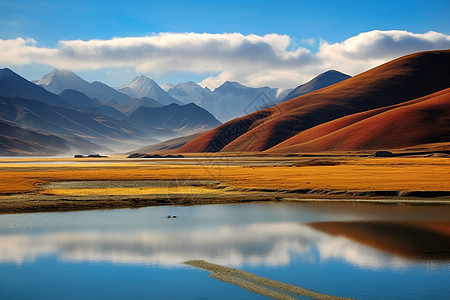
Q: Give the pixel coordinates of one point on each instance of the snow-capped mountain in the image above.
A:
(60, 80)
(232, 100)
(166, 86)
(188, 92)
(14, 85)
(228, 101)
(142, 86)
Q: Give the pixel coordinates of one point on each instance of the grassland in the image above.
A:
(29, 184)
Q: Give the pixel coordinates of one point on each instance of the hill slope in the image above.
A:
(404, 79)
(421, 121)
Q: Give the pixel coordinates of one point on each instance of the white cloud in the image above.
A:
(250, 59)
(369, 49)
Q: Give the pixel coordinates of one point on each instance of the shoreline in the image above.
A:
(36, 203)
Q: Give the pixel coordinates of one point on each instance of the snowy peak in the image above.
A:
(188, 92)
(230, 85)
(142, 86)
(58, 81)
(14, 85)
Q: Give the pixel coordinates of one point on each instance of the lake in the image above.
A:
(355, 250)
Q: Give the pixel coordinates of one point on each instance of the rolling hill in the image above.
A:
(422, 121)
(399, 81)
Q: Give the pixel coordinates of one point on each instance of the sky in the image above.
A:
(257, 43)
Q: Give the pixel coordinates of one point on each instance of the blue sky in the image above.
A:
(307, 24)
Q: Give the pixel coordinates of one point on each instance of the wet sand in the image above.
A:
(62, 184)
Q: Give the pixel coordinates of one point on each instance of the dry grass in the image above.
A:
(129, 191)
(421, 174)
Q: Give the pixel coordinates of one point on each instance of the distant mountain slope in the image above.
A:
(404, 79)
(59, 120)
(416, 122)
(14, 85)
(173, 116)
(79, 99)
(168, 145)
(82, 101)
(322, 80)
(142, 86)
(59, 80)
(15, 140)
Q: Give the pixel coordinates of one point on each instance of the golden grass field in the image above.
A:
(234, 174)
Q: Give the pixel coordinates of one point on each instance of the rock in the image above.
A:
(383, 154)
(97, 155)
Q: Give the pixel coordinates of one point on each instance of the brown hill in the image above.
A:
(401, 80)
(421, 121)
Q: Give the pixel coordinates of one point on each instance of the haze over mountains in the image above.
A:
(403, 103)
(73, 121)
(228, 101)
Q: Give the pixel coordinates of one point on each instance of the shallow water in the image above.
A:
(139, 253)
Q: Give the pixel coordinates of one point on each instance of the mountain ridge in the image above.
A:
(322, 80)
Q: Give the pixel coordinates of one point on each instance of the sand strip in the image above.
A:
(257, 284)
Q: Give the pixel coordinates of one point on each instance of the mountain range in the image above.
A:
(59, 80)
(74, 121)
(402, 103)
(228, 101)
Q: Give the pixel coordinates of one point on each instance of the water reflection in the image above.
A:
(274, 244)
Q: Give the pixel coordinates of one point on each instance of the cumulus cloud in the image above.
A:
(250, 59)
(369, 49)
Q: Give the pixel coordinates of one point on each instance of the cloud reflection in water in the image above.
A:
(272, 244)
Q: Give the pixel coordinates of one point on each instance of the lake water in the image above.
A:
(139, 253)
